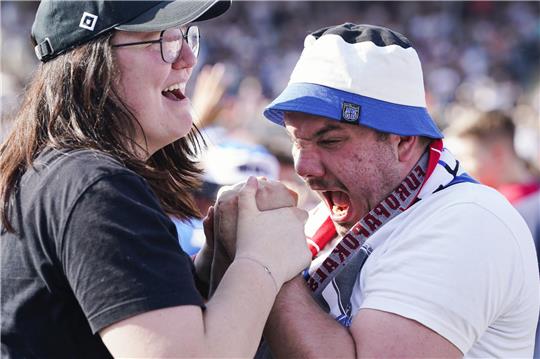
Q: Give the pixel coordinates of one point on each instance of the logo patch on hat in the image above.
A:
(350, 112)
(88, 21)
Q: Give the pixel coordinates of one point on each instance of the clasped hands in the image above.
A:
(257, 219)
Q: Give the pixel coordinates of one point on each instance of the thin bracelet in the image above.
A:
(265, 268)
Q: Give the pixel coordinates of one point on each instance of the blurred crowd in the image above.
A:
(477, 57)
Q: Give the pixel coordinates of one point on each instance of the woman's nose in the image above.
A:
(186, 59)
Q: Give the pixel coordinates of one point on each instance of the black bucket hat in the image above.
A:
(62, 25)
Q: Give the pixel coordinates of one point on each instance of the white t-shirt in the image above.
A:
(461, 262)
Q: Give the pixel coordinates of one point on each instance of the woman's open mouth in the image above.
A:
(173, 93)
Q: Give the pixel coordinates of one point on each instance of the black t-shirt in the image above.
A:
(92, 247)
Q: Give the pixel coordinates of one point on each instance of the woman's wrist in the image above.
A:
(249, 259)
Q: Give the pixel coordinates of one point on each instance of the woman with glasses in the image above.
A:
(100, 153)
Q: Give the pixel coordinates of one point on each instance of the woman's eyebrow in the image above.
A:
(141, 36)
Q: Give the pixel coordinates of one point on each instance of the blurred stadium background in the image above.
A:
(476, 56)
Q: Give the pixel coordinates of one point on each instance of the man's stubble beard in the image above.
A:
(390, 178)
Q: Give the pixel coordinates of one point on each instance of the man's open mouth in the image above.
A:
(173, 92)
(339, 204)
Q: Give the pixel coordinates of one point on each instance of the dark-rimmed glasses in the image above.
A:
(171, 41)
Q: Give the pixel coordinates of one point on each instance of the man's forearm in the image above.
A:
(299, 328)
(203, 268)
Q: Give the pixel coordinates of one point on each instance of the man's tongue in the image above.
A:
(340, 204)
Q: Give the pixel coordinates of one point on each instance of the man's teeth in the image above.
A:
(338, 210)
(172, 88)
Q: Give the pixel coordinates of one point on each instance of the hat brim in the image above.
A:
(169, 14)
(328, 102)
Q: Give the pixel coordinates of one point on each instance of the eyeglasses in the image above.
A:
(171, 41)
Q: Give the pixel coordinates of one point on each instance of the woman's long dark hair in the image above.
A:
(72, 103)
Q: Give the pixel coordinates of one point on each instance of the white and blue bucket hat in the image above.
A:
(360, 74)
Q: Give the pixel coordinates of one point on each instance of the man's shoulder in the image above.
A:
(470, 203)
(472, 194)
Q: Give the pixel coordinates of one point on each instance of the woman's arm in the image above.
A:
(270, 250)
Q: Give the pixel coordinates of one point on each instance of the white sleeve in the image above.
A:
(454, 273)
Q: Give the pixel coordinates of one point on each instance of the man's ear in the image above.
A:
(407, 148)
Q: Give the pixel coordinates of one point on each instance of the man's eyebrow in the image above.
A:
(325, 129)
(320, 132)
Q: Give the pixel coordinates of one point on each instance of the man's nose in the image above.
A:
(307, 163)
